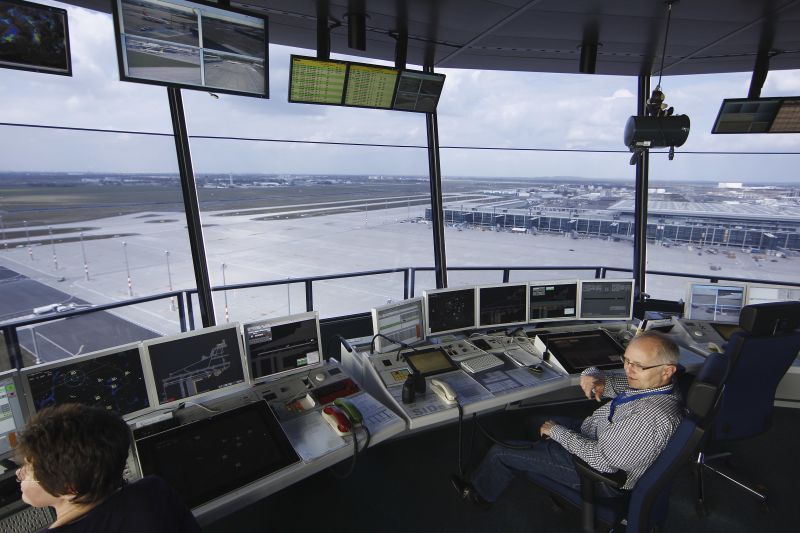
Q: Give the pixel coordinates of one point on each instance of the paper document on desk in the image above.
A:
(311, 436)
(498, 381)
(467, 389)
(377, 417)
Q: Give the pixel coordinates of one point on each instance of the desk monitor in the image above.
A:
(205, 459)
(577, 351)
(714, 302)
(400, 321)
(112, 379)
(34, 37)
(179, 43)
(553, 300)
(606, 299)
(12, 413)
(449, 310)
(429, 361)
(194, 364)
(281, 346)
(503, 305)
(759, 294)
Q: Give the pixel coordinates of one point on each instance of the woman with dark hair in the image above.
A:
(73, 457)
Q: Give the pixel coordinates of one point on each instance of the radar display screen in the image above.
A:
(208, 458)
(111, 380)
(502, 305)
(194, 364)
(34, 37)
(553, 301)
(450, 310)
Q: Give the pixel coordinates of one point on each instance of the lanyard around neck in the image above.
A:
(624, 398)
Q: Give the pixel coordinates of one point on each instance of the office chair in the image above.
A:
(644, 508)
(755, 360)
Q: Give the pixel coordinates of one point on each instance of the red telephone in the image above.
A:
(337, 420)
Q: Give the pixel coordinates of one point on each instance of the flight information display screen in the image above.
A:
(502, 305)
(606, 299)
(450, 310)
(111, 379)
(11, 418)
(208, 458)
(715, 302)
(34, 37)
(553, 300)
(316, 81)
(401, 321)
(193, 45)
(195, 363)
(282, 345)
(370, 86)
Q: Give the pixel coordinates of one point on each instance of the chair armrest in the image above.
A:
(614, 479)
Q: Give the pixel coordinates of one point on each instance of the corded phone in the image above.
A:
(444, 391)
(349, 409)
(337, 419)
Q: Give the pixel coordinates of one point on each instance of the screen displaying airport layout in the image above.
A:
(402, 321)
(607, 299)
(553, 301)
(205, 459)
(193, 364)
(370, 86)
(450, 310)
(274, 347)
(316, 81)
(715, 302)
(113, 381)
(188, 44)
(759, 294)
(502, 305)
(418, 91)
(11, 419)
(34, 37)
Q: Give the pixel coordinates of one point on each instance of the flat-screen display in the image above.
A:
(503, 305)
(429, 361)
(759, 294)
(552, 300)
(449, 310)
(418, 91)
(34, 37)
(400, 321)
(12, 418)
(112, 379)
(606, 299)
(208, 458)
(334, 82)
(580, 350)
(775, 114)
(282, 345)
(714, 302)
(195, 364)
(191, 44)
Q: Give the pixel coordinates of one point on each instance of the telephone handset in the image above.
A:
(349, 409)
(336, 418)
(444, 391)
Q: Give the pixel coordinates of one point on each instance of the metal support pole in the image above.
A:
(28, 239)
(225, 292)
(192, 207)
(169, 280)
(53, 247)
(85, 263)
(435, 175)
(640, 204)
(127, 267)
(309, 296)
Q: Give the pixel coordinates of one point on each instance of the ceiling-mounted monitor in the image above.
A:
(34, 37)
(779, 114)
(345, 83)
(195, 45)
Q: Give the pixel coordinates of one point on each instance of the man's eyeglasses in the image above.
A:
(24, 473)
(638, 367)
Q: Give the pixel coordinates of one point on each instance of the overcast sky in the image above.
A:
(477, 108)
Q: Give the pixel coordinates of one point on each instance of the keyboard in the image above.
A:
(27, 520)
(481, 363)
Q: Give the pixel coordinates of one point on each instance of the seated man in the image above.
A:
(72, 459)
(627, 433)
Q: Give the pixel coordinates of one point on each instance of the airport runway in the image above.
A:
(61, 338)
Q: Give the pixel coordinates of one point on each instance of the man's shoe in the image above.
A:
(468, 494)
